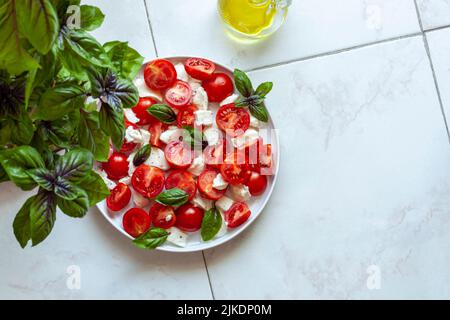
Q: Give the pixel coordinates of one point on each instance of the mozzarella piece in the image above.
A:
(194, 84)
(126, 180)
(224, 203)
(145, 91)
(145, 136)
(177, 237)
(109, 183)
(203, 117)
(255, 123)
(240, 192)
(223, 227)
(181, 72)
(229, 99)
(201, 202)
(197, 166)
(212, 136)
(157, 159)
(171, 134)
(200, 98)
(131, 166)
(219, 183)
(139, 200)
(248, 137)
(131, 116)
(139, 136)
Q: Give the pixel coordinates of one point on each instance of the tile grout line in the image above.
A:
(436, 28)
(209, 278)
(430, 60)
(150, 26)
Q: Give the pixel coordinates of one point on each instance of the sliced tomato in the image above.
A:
(199, 68)
(256, 184)
(160, 74)
(179, 94)
(189, 217)
(117, 166)
(155, 129)
(237, 214)
(183, 180)
(218, 87)
(234, 121)
(148, 181)
(136, 221)
(214, 155)
(140, 110)
(128, 146)
(119, 197)
(205, 185)
(179, 155)
(235, 171)
(162, 216)
(186, 117)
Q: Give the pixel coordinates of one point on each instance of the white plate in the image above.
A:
(256, 204)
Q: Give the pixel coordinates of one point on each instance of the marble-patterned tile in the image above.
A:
(438, 42)
(361, 208)
(434, 13)
(125, 20)
(109, 264)
(312, 27)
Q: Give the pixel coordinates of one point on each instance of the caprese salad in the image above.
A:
(192, 155)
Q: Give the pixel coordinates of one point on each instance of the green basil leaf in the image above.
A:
(74, 165)
(42, 216)
(125, 61)
(3, 176)
(95, 188)
(211, 224)
(91, 17)
(253, 100)
(43, 177)
(194, 137)
(112, 123)
(142, 155)
(84, 48)
(22, 130)
(60, 132)
(5, 131)
(21, 224)
(162, 112)
(59, 101)
(172, 197)
(76, 208)
(259, 112)
(92, 137)
(17, 161)
(151, 239)
(243, 83)
(65, 190)
(264, 88)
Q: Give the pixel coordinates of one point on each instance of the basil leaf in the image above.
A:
(264, 88)
(211, 224)
(95, 188)
(172, 197)
(3, 175)
(125, 61)
(151, 239)
(42, 216)
(92, 137)
(243, 83)
(65, 190)
(253, 100)
(194, 137)
(83, 48)
(21, 224)
(142, 155)
(60, 132)
(112, 123)
(22, 130)
(162, 112)
(74, 165)
(43, 177)
(17, 161)
(59, 101)
(76, 208)
(91, 17)
(259, 112)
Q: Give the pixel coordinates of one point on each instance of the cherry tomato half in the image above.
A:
(160, 74)
(186, 117)
(140, 110)
(148, 181)
(179, 95)
(179, 155)
(237, 214)
(136, 221)
(117, 166)
(234, 172)
(218, 87)
(256, 184)
(162, 216)
(205, 185)
(189, 217)
(215, 155)
(183, 180)
(234, 121)
(119, 197)
(199, 68)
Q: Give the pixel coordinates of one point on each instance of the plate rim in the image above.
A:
(219, 241)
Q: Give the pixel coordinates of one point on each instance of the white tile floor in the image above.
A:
(364, 185)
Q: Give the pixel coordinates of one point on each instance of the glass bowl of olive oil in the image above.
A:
(253, 19)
